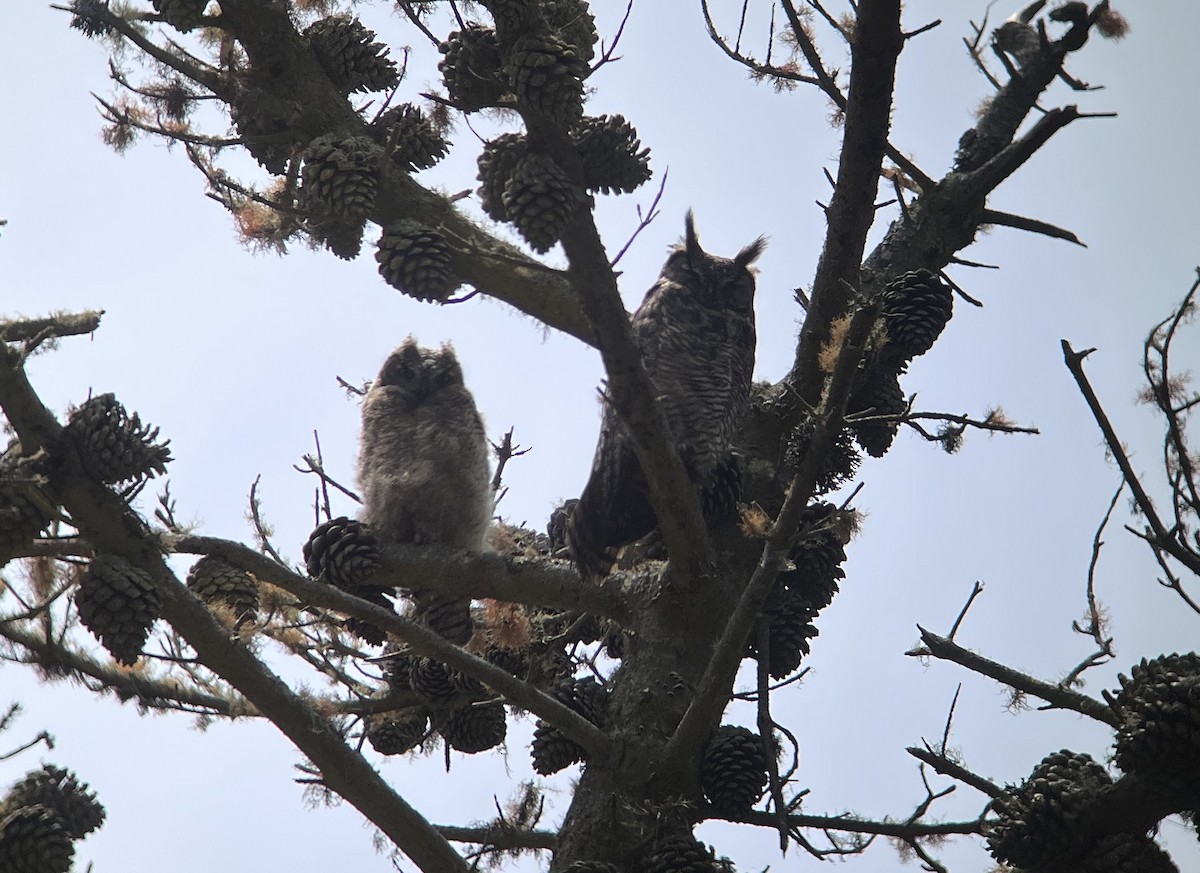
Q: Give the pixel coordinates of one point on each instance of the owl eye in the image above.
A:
(399, 373)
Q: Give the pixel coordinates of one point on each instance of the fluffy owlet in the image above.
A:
(695, 330)
(423, 467)
(423, 459)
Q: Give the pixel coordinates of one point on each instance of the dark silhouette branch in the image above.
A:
(447, 571)
(500, 837)
(1033, 225)
(60, 324)
(954, 770)
(57, 659)
(1158, 535)
(1058, 697)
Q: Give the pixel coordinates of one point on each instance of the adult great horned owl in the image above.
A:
(423, 458)
(695, 330)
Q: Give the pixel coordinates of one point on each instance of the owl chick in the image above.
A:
(423, 468)
(695, 330)
(423, 458)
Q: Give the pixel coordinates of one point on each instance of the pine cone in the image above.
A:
(342, 552)
(473, 729)
(218, 583)
(119, 604)
(26, 508)
(265, 123)
(401, 733)
(613, 157)
(415, 260)
(679, 855)
(59, 791)
(349, 55)
(1127, 853)
(551, 750)
(433, 682)
(448, 617)
(817, 557)
(340, 175)
(496, 164)
(397, 669)
(1039, 818)
(512, 17)
(915, 308)
(539, 200)
(841, 463)
(34, 840)
(881, 394)
(183, 15)
(364, 630)
(471, 68)
(546, 75)
(114, 445)
(85, 18)
(789, 628)
(409, 138)
(574, 24)
(1159, 736)
(341, 236)
(507, 660)
(733, 769)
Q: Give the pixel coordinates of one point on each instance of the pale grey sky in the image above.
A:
(234, 356)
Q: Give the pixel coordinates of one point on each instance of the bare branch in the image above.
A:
(1055, 695)
(1033, 225)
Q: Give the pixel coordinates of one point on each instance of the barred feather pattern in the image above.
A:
(695, 330)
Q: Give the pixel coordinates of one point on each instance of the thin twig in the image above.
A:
(946, 767)
(644, 219)
(976, 590)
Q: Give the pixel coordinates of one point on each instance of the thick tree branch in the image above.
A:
(1011, 158)
(500, 837)
(426, 642)
(1033, 225)
(57, 325)
(851, 211)
(1057, 696)
(853, 824)
(954, 770)
(534, 581)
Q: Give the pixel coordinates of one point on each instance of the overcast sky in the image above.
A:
(235, 356)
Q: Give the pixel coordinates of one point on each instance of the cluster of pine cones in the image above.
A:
(676, 854)
(801, 592)
(1158, 741)
(466, 714)
(534, 59)
(117, 601)
(41, 817)
(914, 309)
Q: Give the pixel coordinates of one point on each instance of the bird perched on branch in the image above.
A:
(695, 331)
(423, 466)
(423, 458)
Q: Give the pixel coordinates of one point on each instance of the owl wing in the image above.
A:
(614, 508)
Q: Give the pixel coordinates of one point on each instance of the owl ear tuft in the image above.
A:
(691, 243)
(750, 253)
